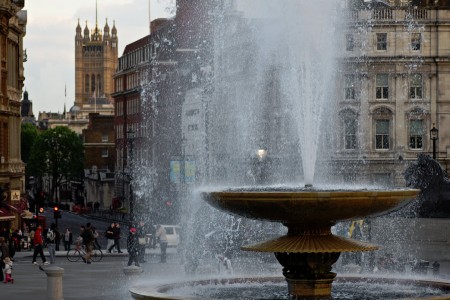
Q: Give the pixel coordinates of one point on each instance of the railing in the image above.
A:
(416, 14)
(382, 14)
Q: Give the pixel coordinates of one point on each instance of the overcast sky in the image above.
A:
(50, 39)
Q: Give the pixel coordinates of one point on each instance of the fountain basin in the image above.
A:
(375, 288)
(309, 207)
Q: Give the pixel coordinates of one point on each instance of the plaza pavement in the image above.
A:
(106, 280)
(100, 280)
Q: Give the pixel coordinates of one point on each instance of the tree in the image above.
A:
(57, 154)
(28, 135)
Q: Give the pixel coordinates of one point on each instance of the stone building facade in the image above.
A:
(100, 159)
(394, 89)
(12, 170)
(96, 58)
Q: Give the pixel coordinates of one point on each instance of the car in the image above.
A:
(173, 235)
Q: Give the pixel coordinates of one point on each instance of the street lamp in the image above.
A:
(130, 136)
(434, 135)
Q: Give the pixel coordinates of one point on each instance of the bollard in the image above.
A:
(132, 271)
(54, 282)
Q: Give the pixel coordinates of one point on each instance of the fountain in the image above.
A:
(304, 61)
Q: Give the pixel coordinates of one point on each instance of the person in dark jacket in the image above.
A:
(132, 247)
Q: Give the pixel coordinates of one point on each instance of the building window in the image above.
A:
(350, 127)
(382, 134)
(382, 41)
(382, 86)
(415, 41)
(104, 152)
(349, 88)
(86, 82)
(415, 86)
(105, 138)
(416, 134)
(193, 127)
(349, 42)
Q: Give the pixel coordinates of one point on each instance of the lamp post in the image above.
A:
(434, 135)
(130, 136)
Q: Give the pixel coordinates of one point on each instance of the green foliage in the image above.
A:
(57, 153)
(28, 135)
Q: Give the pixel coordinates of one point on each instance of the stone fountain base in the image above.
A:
(166, 291)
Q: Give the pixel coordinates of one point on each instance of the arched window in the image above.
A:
(99, 85)
(93, 83)
(382, 118)
(349, 129)
(86, 84)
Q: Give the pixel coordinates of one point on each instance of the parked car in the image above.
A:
(173, 235)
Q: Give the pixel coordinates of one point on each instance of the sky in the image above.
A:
(50, 41)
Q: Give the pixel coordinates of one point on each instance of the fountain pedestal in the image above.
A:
(309, 250)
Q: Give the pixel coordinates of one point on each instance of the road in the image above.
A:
(100, 281)
(74, 221)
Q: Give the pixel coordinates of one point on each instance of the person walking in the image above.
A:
(38, 243)
(141, 231)
(88, 241)
(161, 237)
(68, 237)
(7, 269)
(116, 234)
(109, 234)
(132, 247)
(4, 254)
(96, 235)
(51, 242)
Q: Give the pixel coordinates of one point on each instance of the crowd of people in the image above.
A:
(37, 238)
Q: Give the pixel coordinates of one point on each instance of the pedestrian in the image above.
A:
(116, 234)
(132, 247)
(51, 242)
(141, 232)
(109, 234)
(88, 241)
(96, 235)
(161, 237)
(57, 238)
(67, 239)
(4, 254)
(7, 269)
(38, 243)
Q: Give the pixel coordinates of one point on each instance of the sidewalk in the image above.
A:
(62, 253)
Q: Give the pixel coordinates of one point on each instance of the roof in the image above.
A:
(137, 44)
(5, 215)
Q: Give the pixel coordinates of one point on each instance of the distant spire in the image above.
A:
(96, 23)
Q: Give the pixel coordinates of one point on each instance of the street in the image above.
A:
(102, 280)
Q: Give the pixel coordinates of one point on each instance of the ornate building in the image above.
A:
(96, 58)
(12, 170)
(394, 88)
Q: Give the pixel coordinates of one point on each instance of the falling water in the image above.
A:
(275, 79)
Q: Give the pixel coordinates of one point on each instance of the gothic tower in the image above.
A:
(96, 57)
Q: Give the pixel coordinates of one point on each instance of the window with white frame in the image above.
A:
(104, 152)
(350, 129)
(416, 132)
(349, 86)
(415, 86)
(382, 86)
(381, 41)
(105, 138)
(349, 42)
(382, 134)
(416, 39)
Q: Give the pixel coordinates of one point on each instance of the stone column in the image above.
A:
(54, 282)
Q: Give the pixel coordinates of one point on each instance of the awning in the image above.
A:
(26, 215)
(5, 215)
